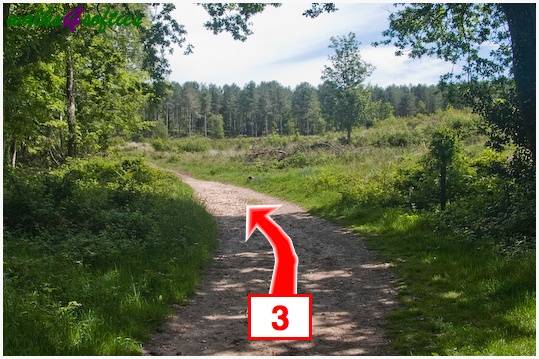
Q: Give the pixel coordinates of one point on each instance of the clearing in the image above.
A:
(352, 288)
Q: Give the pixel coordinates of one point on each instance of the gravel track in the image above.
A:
(352, 289)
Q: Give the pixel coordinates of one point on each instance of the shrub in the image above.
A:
(394, 138)
(440, 176)
(159, 130)
(94, 253)
(298, 159)
(160, 144)
(193, 144)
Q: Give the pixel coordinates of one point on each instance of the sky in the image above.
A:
(290, 48)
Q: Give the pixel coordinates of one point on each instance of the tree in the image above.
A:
(306, 110)
(69, 66)
(379, 110)
(264, 109)
(205, 108)
(191, 105)
(328, 97)
(269, 107)
(442, 152)
(347, 69)
(407, 105)
(457, 33)
(216, 98)
(230, 109)
(281, 103)
(354, 108)
(247, 104)
(347, 73)
(233, 18)
(521, 21)
(97, 83)
(216, 126)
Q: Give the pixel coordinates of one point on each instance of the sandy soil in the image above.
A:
(352, 289)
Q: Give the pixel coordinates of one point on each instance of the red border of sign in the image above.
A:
(250, 295)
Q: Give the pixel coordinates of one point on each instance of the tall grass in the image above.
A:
(461, 291)
(94, 254)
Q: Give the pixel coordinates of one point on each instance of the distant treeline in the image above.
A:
(269, 107)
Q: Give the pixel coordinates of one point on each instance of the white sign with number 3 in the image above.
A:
(276, 317)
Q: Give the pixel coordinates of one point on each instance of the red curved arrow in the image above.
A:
(285, 270)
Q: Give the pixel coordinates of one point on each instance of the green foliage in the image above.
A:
(194, 144)
(347, 70)
(474, 262)
(45, 119)
(190, 144)
(379, 110)
(354, 105)
(347, 73)
(407, 106)
(233, 18)
(306, 110)
(160, 144)
(271, 108)
(443, 147)
(215, 126)
(395, 139)
(499, 82)
(158, 130)
(443, 150)
(94, 253)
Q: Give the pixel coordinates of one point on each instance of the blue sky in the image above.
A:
(290, 48)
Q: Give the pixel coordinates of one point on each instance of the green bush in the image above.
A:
(498, 208)
(94, 253)
(394, 139)
(159, 130)
(193, 144)
(160, 144)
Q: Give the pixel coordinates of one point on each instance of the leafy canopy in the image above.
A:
(347, 69)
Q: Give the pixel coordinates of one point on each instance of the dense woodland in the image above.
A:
(71, 94)
(271, 108)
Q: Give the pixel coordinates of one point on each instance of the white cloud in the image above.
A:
(391, 69)
(291, 48)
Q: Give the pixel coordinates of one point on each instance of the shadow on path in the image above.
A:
(352, 290)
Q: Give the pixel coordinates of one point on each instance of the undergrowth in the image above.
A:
(467, 273)
(94, 254)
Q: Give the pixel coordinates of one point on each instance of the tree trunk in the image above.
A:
(348, 135)
(62, 140)
(256, 128)
(177, 114)
(14, 153)
(189, 120)
(443, 186)
(167, 122)
(205, 125)
(6, 14)
(521, 20)
(70, 96)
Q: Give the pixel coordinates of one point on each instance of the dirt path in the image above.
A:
(352, 290)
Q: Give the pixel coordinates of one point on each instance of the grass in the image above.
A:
(94, 254)
(459, 293)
